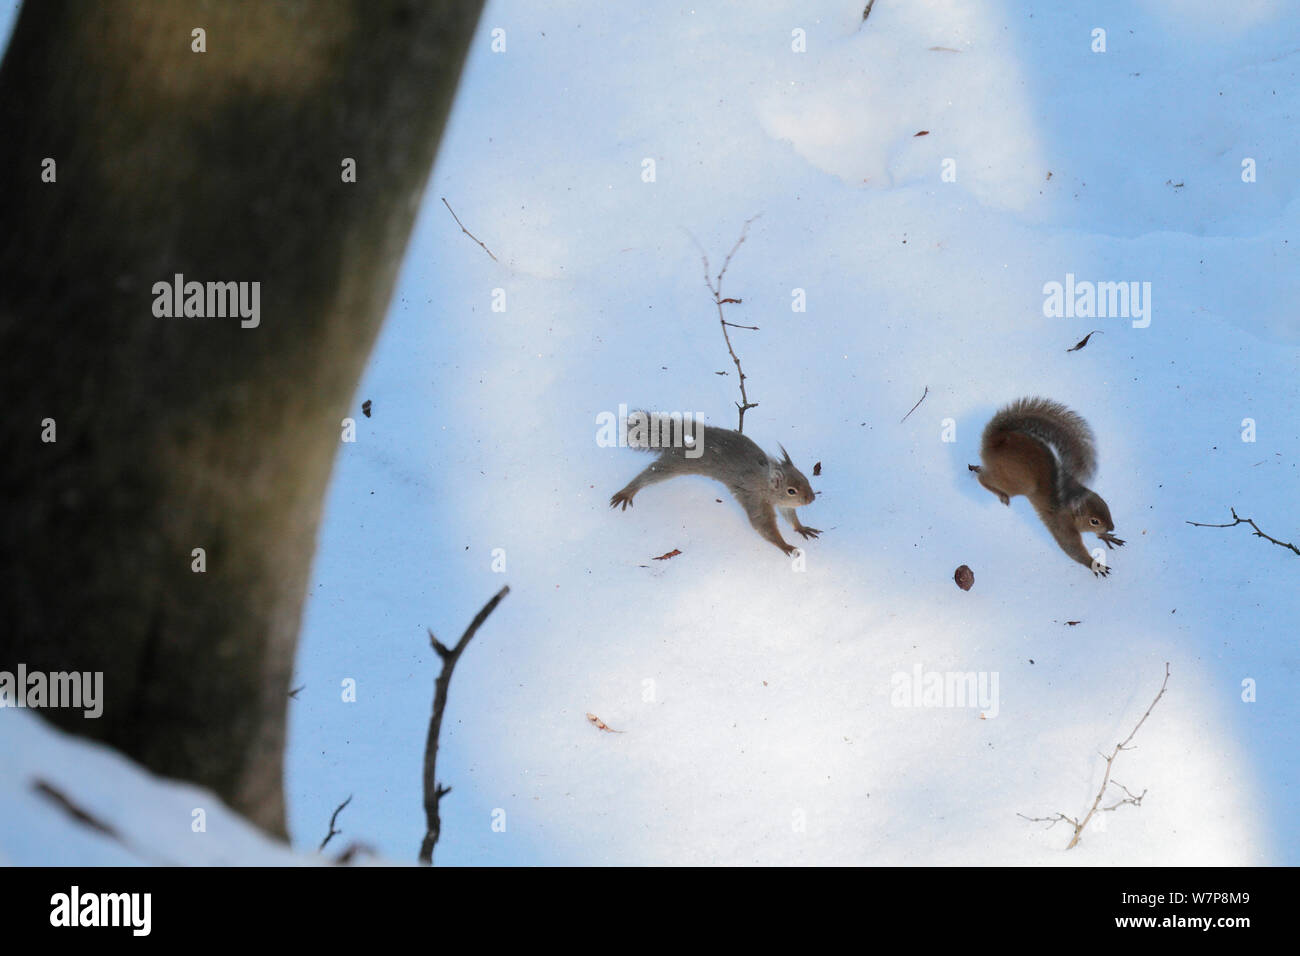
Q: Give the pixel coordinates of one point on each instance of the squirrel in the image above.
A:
(758, 481)
(1040, 449)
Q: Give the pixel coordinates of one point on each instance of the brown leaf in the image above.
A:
(817, 469)
(671, 554)
(924, 132)
(725, 301)
(601, 725)
(964, 577)
(1084, 341)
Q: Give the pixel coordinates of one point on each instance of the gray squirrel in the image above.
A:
(758, 481)
(1040, 449)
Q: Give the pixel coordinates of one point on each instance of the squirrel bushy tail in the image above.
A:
(1063, 431)
(661, 432)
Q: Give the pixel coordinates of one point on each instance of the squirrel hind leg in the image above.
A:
(648, 476)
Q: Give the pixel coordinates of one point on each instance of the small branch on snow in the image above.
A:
(916, 406)
(334, 819)
(466, 231)
(88, 819)
(715, 287)
(1129, 799)
(433, 791)
(1259, 534)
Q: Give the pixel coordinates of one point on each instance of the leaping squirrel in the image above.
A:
(758, 481)
(1040, 449)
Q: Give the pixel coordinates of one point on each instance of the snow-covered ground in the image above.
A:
(756, 701)
(65, 801)
(753, 698)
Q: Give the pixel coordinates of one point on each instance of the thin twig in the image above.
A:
(352, 851)
(867, 12)
(433, 791)
(334, 819)
(916, 406)
(1130, 798)
(466, 231)
(715, 287)
(1259, 534)
(86, 818)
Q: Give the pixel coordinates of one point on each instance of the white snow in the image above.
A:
(752, 697)
(155, 822)
(755, 701)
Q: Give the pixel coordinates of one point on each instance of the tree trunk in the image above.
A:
(181, 433)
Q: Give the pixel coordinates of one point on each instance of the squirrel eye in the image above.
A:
(790, 491)
(1094, 521)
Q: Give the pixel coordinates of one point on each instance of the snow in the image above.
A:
(754, 700)
(155, 821)
(752, 697)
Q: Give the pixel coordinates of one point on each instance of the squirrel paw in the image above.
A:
(1100, 570)
(808, 532)
(1111, 541)
(620, 499)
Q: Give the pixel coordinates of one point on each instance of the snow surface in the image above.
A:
(754, 700)
(771, 689)
(154, 820)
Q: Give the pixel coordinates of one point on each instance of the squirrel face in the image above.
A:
(1092, 514)
(790, 489)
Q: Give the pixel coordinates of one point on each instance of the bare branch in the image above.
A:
(433, 791)
(82, 816)
(1129, 799)
(352, 851)
(744, 233)
(715, 287)
(1259, 534)
(916, 406)
(466, 231)
(1050, 821)
(334, 819)
(88, 819)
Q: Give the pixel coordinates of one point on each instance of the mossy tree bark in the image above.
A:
(183, 433)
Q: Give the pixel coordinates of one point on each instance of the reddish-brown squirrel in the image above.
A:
(1040, 449)
(758, 481)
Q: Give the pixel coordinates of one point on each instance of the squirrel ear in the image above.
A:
(786, 459)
